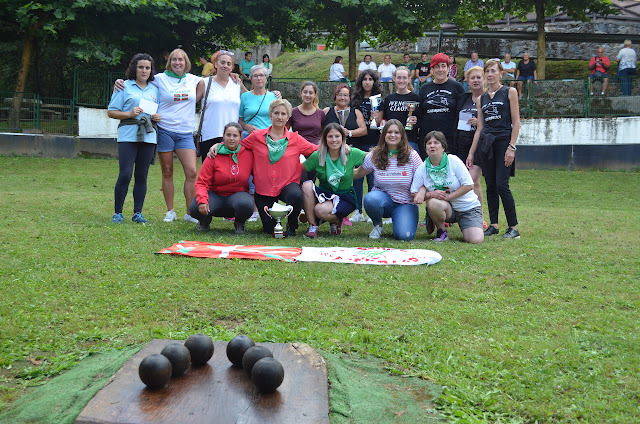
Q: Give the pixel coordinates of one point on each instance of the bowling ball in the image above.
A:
(179, 356)
(267, 374)
(200, 347)
(237, 347)
(253, 355)
(155, 370)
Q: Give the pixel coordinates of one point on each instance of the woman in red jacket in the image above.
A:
(222, 187)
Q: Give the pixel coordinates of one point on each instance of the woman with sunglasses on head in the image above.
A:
(222, 101)
(495, 144)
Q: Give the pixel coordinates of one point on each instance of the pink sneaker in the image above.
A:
(345, 221)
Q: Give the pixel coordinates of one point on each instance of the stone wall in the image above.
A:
(555, 50)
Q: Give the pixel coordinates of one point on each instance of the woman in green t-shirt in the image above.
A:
(334, 198)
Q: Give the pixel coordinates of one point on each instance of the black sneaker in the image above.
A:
(290, 232)
(510, 233)
(491, 231)
(239, 228)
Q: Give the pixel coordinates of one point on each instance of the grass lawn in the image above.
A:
(540, 329)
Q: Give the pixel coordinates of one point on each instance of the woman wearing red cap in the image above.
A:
(439, 100)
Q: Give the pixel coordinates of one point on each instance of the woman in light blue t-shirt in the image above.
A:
(254, 104)
(137, 137)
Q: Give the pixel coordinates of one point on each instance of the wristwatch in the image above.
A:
(350, 134)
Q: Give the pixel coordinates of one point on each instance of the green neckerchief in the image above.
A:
(393, 152)
(335, 170)
(174, 75)
(224, 150)
(438, 174)
(276, 148)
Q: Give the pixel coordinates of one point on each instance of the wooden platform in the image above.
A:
(216, 392)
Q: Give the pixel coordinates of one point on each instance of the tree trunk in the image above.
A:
(21, 82)
(542, 40)
(352, 32)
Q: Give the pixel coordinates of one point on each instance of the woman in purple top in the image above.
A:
(307, 119)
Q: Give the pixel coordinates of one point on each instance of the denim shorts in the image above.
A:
(467, 219)
(169, 141)
(529, 78)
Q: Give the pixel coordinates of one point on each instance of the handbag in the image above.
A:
(197, 136)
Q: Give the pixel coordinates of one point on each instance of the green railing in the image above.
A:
(572, 98)
(541, 99)
(37, 114)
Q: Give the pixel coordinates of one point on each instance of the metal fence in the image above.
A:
(540, 99)
(36, 114)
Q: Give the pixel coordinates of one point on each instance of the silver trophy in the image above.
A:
(411, 106)
(375, 102)
(278, 212)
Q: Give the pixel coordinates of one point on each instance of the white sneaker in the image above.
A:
(357, 217)
(376, 232)
(254, 217)
(369, 220)
(387, 221)
(189, 218)
(170, 216)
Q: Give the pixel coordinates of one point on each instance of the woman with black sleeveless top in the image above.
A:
(367, 85)
(495, 144)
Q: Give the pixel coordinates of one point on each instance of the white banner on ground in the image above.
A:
(369, 255)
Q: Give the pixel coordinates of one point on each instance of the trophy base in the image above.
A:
(278, 235)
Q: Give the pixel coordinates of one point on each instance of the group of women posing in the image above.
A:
(254, 133)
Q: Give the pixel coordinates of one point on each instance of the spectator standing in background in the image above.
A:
(367, 64)
(207, 67)
(599, 67)
(246, 64)
(409, 65)
(453, 68)
(386, 70)
(423, 72)
(474, 61)
(627, 59)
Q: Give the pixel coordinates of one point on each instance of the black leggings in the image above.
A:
(237, 205)
(291, 194)
(130, 154)
(496, 176)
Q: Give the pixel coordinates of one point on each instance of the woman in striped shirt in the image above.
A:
(393, 163)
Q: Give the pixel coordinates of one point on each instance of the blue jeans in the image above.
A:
(625, 75)
(378, 205)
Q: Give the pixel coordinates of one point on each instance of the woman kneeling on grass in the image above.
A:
(446, 185)
(222, 187)
(137, 137)
(335, 197)
(393, 163)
